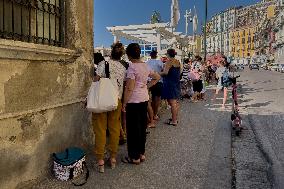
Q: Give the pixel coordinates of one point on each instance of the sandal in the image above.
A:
(112, 163)
(170, 122)
(101, 168)
(122, 141)
(156, 117)
(130, 161)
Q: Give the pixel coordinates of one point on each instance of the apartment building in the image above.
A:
(242, 42)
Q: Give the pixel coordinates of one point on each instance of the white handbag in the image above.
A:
(103, 95)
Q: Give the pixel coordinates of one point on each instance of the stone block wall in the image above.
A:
(42, 89)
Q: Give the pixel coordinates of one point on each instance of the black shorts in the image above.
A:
(197, 86)
(156, 90)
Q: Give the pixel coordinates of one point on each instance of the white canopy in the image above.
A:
(159, 33)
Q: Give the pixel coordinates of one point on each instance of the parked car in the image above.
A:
(281, 68)
(240, 66)
(274, 67)
(254, 66)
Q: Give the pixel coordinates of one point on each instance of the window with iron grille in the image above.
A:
(34, 21)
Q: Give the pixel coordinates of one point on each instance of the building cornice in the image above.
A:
(17, 50)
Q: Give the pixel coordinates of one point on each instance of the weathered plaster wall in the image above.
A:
(40, 102)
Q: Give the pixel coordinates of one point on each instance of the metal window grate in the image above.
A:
(34, 21)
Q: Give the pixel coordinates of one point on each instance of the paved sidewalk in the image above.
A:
(196, 154)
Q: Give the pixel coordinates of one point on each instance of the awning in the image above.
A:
(150, 33)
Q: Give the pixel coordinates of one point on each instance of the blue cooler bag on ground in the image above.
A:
(69, 164)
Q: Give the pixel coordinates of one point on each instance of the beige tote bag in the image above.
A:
(102, 96)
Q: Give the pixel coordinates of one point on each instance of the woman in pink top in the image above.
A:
(135, 103)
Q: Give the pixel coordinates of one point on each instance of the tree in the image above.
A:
(156, 18)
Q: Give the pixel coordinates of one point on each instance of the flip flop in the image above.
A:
(171, 123)
(169, 120)
(129, 161)
(156, 118)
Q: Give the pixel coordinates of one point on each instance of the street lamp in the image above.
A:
(188, 17)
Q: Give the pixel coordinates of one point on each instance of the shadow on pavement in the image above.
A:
(196, 154)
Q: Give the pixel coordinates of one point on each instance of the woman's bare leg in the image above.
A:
(150, 115)
(174, 109)
(215, 95)
(155, 105)
(225, 97)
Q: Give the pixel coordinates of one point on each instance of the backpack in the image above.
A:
(226, 77)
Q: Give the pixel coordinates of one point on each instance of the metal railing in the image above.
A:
(34, 21)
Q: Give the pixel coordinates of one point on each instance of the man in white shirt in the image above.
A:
(157, 66)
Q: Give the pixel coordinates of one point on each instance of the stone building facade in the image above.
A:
(42, 86)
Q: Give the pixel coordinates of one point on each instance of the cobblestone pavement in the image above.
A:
(262, 101)
(196, 154)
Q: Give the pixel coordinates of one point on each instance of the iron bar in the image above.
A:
(13, 21)
(36, 22)
(55, 18)
(21, 23)
(61, 21)
(49, 26)
(43, 14)
(30, 22)
(3, 17)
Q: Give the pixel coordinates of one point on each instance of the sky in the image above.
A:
(128, 12)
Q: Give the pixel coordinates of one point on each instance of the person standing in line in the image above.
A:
(109, 120)
(203, 79)
(196, 79)
(135, 103)
(210, 71)
(171, 85)
(164, 60)
(157, 66)
(190, 63)
(122, 137)
(185, 81)
(98, 57)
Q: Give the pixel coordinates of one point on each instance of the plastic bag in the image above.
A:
(194, 76)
